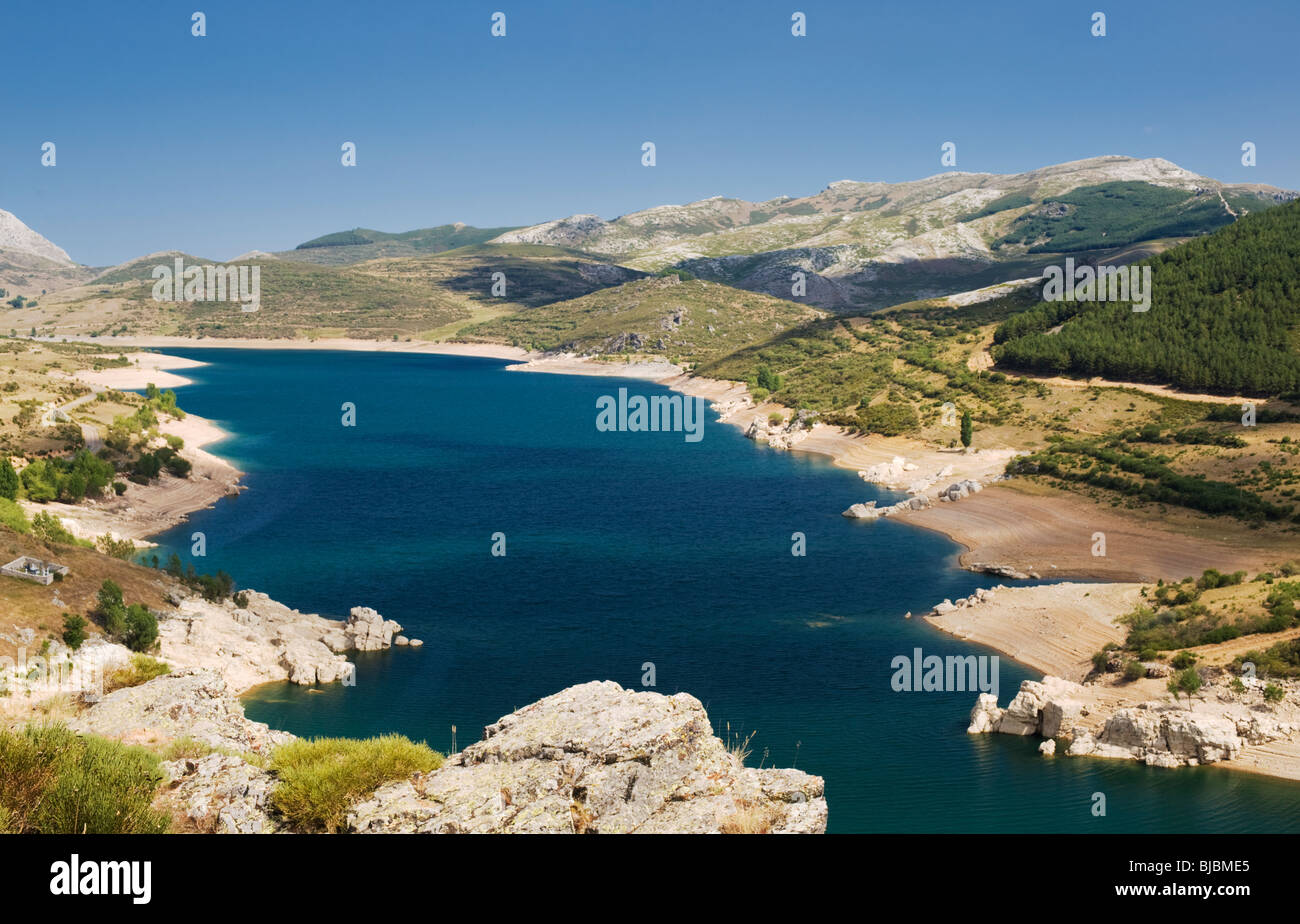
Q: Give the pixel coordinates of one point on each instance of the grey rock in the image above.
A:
(598, 758)
(190, 703)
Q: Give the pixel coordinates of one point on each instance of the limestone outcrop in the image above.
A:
(784, 434)
(266, 641)
(593, 758)
(192, 703)
(219, 794)
(1160, 734)
(959, 489)
(869, 510)
(366, 630)
(596, 758)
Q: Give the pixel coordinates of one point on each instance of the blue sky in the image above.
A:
(228, 143)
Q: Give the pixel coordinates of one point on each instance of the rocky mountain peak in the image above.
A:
(14, 235)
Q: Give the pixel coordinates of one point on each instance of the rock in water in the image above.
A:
(366, 630)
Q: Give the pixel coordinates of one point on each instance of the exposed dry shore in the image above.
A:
(492, 350)
(1052, 628)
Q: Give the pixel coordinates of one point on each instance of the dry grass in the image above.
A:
(749, 818)
(24, 604)
(142, 669)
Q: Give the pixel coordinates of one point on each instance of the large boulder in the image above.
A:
(985, 716)
(1048, 708)
(598, 758)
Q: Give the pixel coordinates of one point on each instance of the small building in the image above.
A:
(33, 569)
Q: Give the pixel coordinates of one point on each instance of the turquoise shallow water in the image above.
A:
(624, 548)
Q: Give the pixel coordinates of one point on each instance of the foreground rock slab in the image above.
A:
(596, 758)
(192, 703)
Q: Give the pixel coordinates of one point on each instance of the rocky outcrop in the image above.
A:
(783, 434)
(1158, 734)
(219, 794)
(1162, 737)
(1005, 571)
(194, 703)
(869, 510)
(890, 474)
(957, 490)
(366, 630)
(982, 595)
(596, 758)
(266, 641)
(1038, 708)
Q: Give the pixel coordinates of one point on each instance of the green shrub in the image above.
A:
(1188, 681)
(47, 527)
(12, 515)
(8, 480)
(118, 548)
(320, 778)
(1133, 670)
(111, 608)
(767, 380)
(1273, 693)
(141, 628)
(53, 781)
(890, 418)
(74, 630)
(1183, 660)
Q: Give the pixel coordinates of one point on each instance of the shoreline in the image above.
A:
(1006, 524)
(1012, 524)
(144, 511)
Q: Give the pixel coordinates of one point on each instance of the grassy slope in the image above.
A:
(361, 244)
(688, 321)
(422, 297)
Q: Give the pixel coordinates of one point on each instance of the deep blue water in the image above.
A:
(624, 548)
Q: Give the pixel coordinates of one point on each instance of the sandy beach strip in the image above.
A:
(487, 350)
(145, 369)
(1052, 628)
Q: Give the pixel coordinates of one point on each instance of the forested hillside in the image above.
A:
(1115, 214)
(1224, 318)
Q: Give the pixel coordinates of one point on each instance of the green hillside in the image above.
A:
(535, 274)
(1115, 214)
(1224, 317)
(683, 320)
(359, 244)
(297, 300)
